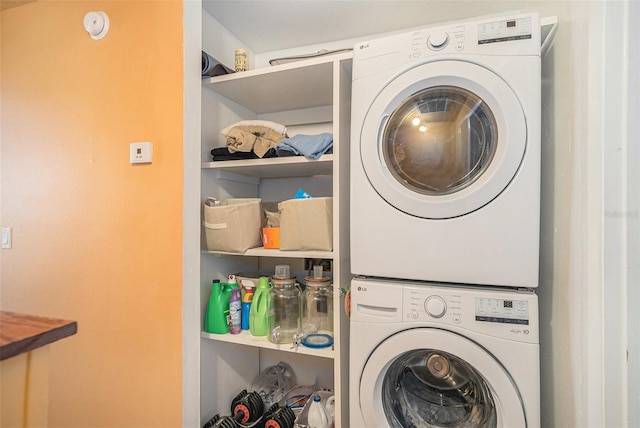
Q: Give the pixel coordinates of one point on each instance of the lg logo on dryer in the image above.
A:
(364, 46)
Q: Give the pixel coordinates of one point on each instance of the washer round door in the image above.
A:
(450, 382)
(443, 139)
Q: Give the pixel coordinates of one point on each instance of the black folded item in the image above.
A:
(212, 67)
(223, 154)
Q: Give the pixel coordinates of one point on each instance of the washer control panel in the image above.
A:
(422, 304)
(505, 311)
(510, 314)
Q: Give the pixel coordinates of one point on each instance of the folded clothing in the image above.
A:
(258, 139)
(311, 146)
(276, 127)
(223, 154)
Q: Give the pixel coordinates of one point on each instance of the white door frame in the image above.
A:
(610, 276)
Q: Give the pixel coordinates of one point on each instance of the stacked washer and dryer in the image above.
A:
(445, 207)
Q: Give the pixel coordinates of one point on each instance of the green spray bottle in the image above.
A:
(259, 308)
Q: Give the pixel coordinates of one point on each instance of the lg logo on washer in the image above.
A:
(360, 288)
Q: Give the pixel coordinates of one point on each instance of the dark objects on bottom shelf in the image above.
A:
(245, 406)
(278, 416)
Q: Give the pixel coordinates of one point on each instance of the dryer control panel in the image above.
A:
(482, 37)
(424, 42)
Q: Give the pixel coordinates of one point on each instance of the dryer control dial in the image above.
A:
(435, 306)
(438, 40)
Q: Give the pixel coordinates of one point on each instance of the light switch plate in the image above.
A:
(141, 152)
(6, 237)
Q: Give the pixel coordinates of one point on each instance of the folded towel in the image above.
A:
(258, 139)
(311, 146)
(277, 127)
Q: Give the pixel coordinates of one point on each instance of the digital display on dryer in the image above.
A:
(504, 31)
(502, 311)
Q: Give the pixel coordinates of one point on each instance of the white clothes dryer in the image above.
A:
(445, 154)
(424, 355)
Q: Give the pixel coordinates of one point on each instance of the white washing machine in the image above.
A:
(423, 355)
(445, 154)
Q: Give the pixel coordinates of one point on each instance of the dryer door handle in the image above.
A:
(379, 142)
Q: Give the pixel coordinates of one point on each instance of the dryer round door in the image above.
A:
(443, 139)
(450, 382)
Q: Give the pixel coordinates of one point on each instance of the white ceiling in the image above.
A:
(268, 25)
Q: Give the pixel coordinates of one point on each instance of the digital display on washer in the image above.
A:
(502, 311)
(504, 31)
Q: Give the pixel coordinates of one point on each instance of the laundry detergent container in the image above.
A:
(233, 225)
(306, 224)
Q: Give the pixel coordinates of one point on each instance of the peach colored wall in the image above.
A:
(96, 239)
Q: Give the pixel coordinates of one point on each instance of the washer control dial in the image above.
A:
(435, 306)
(438, 40)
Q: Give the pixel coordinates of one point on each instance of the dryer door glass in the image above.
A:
(444, 139)
(440, 140)
(432, 388)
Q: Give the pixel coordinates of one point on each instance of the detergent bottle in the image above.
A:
(259, 308)
(318, 416)
(218, 309)
(247, 298)
(235, 311)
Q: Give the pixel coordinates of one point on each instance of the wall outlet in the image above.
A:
(141, 152)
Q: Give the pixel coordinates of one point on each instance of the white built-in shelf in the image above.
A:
(267, 252)
(281, 87)
(289, 166)
(247, 339)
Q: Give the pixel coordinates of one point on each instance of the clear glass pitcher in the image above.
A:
(284, 307)
(317, 304)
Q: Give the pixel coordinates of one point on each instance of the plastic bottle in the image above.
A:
(259, 308)
(235, 311)
(218, 309)
(317, 417)
(246, 303)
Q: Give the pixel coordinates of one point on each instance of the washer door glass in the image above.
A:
(428, 377)
(443, 139)
(429, 388)
(440, 140)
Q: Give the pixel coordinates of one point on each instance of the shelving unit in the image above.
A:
(308, 97)
(245, 338)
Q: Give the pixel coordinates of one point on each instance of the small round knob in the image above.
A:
(435, 306)
(438, 40)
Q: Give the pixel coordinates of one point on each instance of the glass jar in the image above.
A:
(317, 304)
(284, 307)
